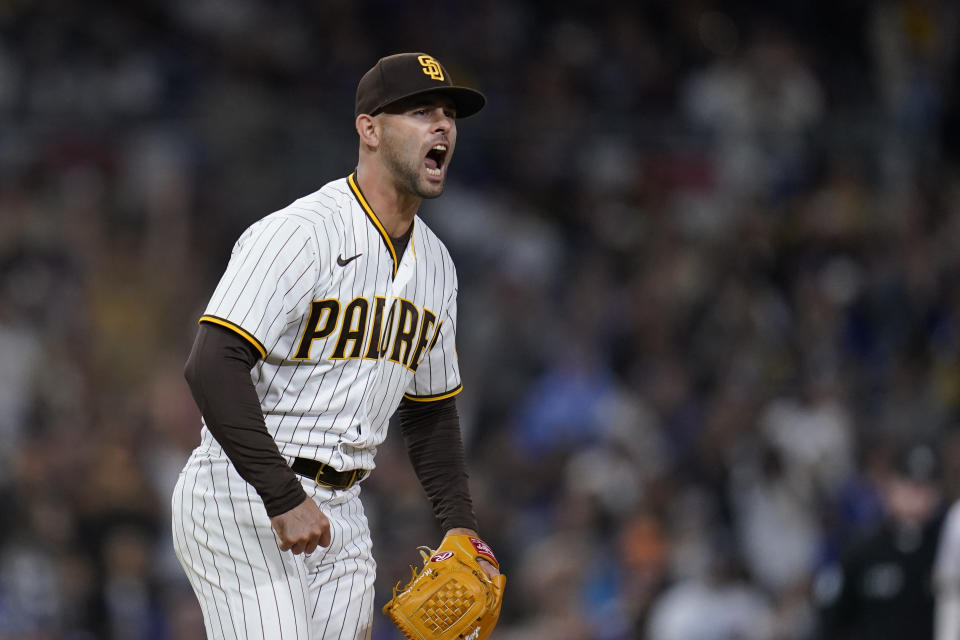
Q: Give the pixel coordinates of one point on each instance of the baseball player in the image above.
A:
(333, 313)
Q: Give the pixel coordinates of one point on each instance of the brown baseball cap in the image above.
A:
(404, 75)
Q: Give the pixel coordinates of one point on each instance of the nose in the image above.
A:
(443, 122)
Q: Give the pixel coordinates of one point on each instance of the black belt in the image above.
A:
(326, 475)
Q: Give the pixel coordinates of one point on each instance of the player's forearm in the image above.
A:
(218, 373)
(431, 432)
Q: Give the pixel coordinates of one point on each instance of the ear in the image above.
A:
(368, 130)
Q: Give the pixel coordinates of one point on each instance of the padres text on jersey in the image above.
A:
(348, 323)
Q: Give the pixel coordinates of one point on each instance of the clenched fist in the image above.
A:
(302, 529)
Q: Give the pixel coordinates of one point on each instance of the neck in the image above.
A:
(395, 209)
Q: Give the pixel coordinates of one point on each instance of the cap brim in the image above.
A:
(467, 101)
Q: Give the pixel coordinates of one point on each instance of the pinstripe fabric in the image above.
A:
(346, 328)
(336, 410)
(246, 586)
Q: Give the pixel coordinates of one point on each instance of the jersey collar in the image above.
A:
(372, 217)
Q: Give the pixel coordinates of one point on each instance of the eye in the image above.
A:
(420, 112)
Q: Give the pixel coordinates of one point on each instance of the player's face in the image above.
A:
(417, 144)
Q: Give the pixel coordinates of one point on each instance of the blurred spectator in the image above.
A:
(883, 585)
(774, 508)
(720, 603)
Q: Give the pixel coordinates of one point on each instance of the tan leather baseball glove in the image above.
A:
(451, 597)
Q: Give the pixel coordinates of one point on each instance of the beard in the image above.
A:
(406, 168)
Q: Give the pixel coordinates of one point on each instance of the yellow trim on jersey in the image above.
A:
(352, 181)
(236, 329)
(434, 398)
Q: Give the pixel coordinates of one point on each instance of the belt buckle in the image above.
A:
(353, 479)
(347, 485)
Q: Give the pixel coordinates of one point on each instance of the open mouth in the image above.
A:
(435, 159)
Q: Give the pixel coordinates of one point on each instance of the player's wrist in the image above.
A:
(277, 506)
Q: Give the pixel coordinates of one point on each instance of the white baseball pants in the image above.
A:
(247, 587)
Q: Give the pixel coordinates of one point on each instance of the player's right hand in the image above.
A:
(302, 529)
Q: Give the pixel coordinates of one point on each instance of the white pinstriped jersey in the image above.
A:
(344, 326)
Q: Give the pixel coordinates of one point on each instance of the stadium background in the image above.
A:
(709, 282)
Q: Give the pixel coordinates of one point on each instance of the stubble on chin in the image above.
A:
(407, 174)
(431, 191)
(409, 178)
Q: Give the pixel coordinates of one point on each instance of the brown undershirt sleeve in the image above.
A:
(431, 431)
(218, 373)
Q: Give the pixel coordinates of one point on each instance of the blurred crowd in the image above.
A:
(709, 288)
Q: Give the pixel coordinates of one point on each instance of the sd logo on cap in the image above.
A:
(404, 75)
